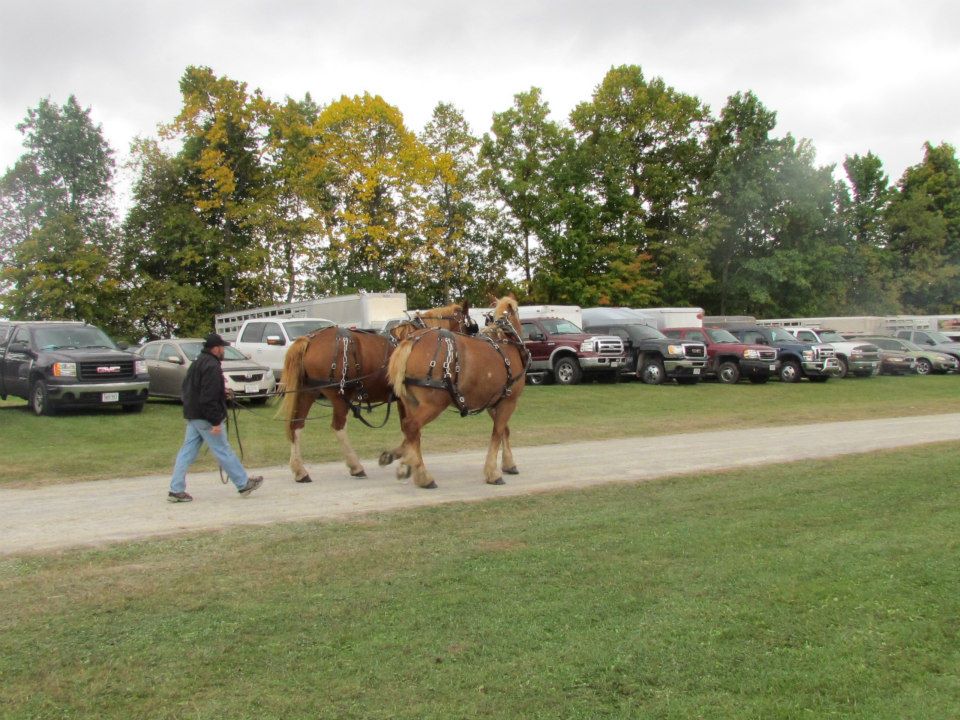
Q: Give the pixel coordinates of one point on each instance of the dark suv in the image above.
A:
(817, 363)
(651, 355)
(53, 364)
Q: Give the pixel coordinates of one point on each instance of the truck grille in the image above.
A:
(610, 345)
(768, 355)
(822, 352)
(694, 350)
(870, 353)
(106, 370)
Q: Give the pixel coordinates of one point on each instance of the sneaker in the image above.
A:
(252, 484)
(179, 497)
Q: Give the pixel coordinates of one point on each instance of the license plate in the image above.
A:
(773, 368)
(696, 371)
(109, 397)
(251, 389)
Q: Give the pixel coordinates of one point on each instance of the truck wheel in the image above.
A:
(844, 366)
(652, 372)
(790, 371)
(923, 366)
(567, 371)
(728, 373)
(537, 379)
(40, 399)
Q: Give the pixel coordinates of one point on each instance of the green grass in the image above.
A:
(106, 444)
(824, 589)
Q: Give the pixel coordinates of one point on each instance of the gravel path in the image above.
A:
(95, 513)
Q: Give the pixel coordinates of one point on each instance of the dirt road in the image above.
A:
(95, 513)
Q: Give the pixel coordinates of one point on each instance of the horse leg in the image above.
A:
(339, 425)
(304, 402)
(388, 456)
(412, 456)
(499, 436)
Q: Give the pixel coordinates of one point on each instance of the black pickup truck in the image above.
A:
(53, 364)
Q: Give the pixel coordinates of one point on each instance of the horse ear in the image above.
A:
(466, 306)
(512, 296)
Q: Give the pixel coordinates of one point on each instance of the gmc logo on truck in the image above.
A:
(108, 369)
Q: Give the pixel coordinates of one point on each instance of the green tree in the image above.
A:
(518, 156)
(924, 222)
(642, 141)
(474, 257)
(864, 204)
(58, 221)
(222, 127)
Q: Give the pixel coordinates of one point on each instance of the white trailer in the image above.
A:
(572, 313)
(676, 317)
(853, 325)
(363, 310)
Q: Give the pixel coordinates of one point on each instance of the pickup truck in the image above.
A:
(859, 357)
(55, 364)
(562, 351)
(265, 340)
(652, 356)
(798, 359)
(728, 359)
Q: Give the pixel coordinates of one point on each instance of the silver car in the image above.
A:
(168, 361)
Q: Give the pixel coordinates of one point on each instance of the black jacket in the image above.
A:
(204, 394)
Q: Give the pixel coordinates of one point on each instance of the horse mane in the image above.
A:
(502, 306)
(440, 312)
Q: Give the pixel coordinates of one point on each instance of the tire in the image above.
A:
(133, 407)
(537, 379)
(790, 372)
(924, 367)
(728, 373)
(567, 371)
(844, 366)
(40, 399)
(652, 372)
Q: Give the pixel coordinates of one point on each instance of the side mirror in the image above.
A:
(538, 336)
(175, 359)
(275, 340)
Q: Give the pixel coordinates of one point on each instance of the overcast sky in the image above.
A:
(852, 77)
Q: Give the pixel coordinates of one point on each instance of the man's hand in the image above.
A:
(216, 429)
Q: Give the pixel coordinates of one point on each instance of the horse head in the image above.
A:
(455, 317)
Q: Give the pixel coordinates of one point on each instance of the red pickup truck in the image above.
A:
(728, 359)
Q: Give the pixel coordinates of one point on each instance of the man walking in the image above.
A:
(205, 409)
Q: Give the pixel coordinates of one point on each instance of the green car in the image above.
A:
(927, 361)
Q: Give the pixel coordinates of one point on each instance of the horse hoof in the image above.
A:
(361, 474)
(498, 481)
(304, 479)
(431, 486)
(511, 470)
(386, 457)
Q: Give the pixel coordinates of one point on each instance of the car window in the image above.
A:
(231, 353)
(806, 336)
(752, 337)
(721, 336)
(529, 329)
(167, 350)
(77, 336)
(618, 332)
(272, 328)
(253, 332)
(561, 327)
(151, 351)
(696, 335)
(297, 328)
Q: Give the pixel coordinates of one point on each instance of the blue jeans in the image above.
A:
(199, 432)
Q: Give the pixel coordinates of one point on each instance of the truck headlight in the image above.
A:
(140, 367)
(65, 369)
(589, 346)
(675, 350)
(809, 355)
(751, 354)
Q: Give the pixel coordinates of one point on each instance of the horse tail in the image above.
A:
(291, 381)
(397, 370)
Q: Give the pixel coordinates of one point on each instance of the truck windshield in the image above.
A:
(721, 336)
(939, 338)
(301, 327)
(81, 336)
(561, 327)
(778, 335)
(831, 336)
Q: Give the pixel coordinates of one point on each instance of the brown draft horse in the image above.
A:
(348, 368)
(434, 369)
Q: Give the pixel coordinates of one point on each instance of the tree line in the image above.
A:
(642, 197)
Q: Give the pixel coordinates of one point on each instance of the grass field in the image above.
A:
(819, 590)
(106, 444)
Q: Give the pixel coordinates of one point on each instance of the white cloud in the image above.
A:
(850, 76)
